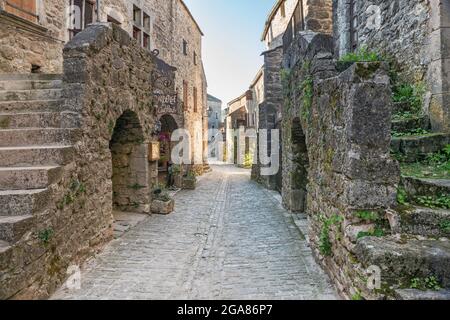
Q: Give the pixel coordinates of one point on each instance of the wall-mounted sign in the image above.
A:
(153, 151)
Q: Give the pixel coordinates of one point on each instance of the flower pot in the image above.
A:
(178, 181)
(163, 207)
(189, 183)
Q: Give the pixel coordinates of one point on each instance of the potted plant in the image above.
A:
(162, 203)
(189, 181)
(177, 176)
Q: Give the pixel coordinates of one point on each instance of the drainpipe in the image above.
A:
(98, 10)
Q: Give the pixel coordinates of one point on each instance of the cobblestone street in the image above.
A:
(229, 239)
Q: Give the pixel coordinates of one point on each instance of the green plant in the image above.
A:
(307, 89)
(46, 235)
(357, 297)
(248, 160)
(190, 175)
(411, 132)
(368, 215)
(445, 226)
(410, 93)
(378, 232)
(440, 201)
(76, 189)
(325, 245)
(402, 196)
(423, 284)
(362, 55)
(164, 196)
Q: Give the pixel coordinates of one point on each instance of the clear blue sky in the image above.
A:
(231, 46)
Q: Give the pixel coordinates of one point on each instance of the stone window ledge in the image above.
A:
(23, 23)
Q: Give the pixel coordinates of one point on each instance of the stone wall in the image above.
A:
(24, 44)
(413, 35)
(336, 158)
(107, 82)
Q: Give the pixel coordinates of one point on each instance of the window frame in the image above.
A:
(195, 93)
(19, 11)
(353, 22)
(74, 32)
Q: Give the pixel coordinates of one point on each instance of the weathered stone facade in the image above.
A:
(412, 34)
(108, 90)
(24, 44)
(336, 152)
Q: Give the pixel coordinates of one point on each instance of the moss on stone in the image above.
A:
(366, 70)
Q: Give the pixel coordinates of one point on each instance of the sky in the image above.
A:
(231, 45)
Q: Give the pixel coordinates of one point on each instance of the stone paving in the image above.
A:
(229, 239)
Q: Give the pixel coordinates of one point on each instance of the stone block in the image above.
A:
(162, 207)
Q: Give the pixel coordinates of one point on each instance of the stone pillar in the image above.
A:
(439, 70)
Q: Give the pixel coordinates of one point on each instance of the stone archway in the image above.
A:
(130, 170)
(300, 165)
(168, 126)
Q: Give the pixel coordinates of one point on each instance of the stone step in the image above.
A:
(411, 124)
(22, 202)
(416, 148)
(37, 136)
(13, 228)
(36, 156)
(30, 84)
(429, 295)
(424, 222)
(31, 106)
(426, 187)
(402, 261)
(25, 95)
(39, 120)
(30, 76)
(24, 178)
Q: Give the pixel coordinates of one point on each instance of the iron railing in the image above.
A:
(295, 25)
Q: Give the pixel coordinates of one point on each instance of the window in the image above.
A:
(283, 10)
(137, 16)
(195, 58)
(185, 95)
(353, 26)
(195, 100)
(25, 9)
(137, 34)
(185, 47)
(141, 27)
(86, 8)
(146, 24)
(146, 43)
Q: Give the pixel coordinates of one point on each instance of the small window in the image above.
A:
(146, 20)
(25, 9)
(185, 49)
(353, 16)
(195, 100)
(283, 10)
(137, 16)
(146, 43)
(137, 34)
(87, 10)
(195, 58)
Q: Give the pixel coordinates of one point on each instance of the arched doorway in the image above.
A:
(299, 177)
(129, 165)
(168, 126)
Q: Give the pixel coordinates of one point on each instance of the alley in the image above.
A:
(229, 239)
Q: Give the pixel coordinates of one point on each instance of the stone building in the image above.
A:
(240, 140)
(286, 19)
(341, 139)
(214, 113)
(82, 107)
(35, 32)
(412, 34)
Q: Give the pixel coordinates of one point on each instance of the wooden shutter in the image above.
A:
(25, 9)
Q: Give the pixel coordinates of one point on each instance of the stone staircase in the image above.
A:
(418, 248)
(35, 143)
